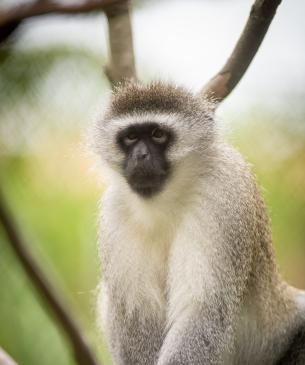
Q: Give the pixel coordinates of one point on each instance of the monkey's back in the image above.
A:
(271, 308)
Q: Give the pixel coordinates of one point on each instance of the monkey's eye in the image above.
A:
(130, 138)
(158, 135)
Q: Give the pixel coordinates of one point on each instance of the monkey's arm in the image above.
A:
(133, 340)
(202, 333)
(133, 331)
(214, 281)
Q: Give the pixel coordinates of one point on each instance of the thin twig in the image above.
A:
(261, 15)
(122, 60)
(82, 352)
(42, 7)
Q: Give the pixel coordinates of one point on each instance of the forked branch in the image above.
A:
(122, 61)
(221, 85)
(82, 352)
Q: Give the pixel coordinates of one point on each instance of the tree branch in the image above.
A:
(122, 60)
(122, 64)
(5, 359)
(221, 85)
(42, 7)
(82, 352)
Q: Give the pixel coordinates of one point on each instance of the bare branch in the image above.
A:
(82, 352)
(41, 7)
(261, 15)
(122, 63)
(5, 359)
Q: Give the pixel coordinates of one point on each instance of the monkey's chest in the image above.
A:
(139, 272)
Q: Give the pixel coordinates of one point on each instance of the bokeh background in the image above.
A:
(52, 86)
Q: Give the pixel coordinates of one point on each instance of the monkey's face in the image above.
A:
(145, 166)
(151, 137)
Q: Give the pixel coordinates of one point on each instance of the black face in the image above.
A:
(145, 166)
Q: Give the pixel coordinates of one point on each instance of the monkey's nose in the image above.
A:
(141, 152)
(142, 155)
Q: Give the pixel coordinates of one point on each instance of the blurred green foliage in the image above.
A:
(22, 71)
(54, 194)
(60, 228)
(53, 200)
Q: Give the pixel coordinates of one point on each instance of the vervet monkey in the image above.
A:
(189, 274)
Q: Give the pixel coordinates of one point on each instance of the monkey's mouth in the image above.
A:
(146, 185)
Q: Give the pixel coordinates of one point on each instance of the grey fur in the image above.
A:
(189, 276)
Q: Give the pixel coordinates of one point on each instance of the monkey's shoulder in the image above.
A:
(230, 183)
(229, 164)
